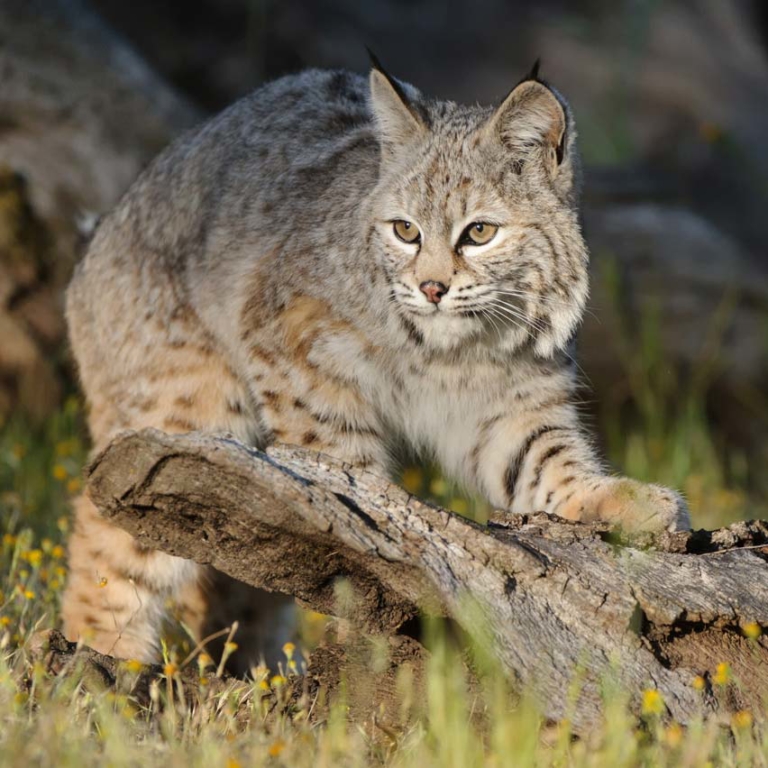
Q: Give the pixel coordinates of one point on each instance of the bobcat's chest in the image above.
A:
(438, 406)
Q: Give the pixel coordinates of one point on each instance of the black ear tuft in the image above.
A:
(397, 113)
(375, 63)
(534, 73)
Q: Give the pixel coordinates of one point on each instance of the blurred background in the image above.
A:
(671, 103)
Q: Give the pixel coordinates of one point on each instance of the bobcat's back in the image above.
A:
(271, 169)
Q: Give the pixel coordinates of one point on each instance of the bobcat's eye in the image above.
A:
(406, 231)
(479, 233)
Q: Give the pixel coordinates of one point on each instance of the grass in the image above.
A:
(47, 720)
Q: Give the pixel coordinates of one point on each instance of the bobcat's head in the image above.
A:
(474, 217)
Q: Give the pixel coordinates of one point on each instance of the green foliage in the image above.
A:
(40, 470)
(661, 431)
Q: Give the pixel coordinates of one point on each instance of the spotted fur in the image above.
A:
(251, 282)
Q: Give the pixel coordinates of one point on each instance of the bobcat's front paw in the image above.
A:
(635, 506)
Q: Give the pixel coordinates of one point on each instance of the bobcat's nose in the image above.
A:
(433, 290)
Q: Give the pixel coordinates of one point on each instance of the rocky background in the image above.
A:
(671, 100)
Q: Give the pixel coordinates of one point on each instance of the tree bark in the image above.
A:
(558, 599)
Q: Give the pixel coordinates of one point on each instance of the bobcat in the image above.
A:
(347, 266)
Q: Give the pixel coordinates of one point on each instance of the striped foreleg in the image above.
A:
(542, 460)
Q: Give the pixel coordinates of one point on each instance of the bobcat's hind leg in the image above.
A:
(118, 593)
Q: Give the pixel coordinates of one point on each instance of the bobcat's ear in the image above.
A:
(534, 115)
(397, 119)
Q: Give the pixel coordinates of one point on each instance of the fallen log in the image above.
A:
(558, 599)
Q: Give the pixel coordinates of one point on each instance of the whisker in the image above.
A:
(539, 328)
(534, 323)
(506, 318)
(485, 312)
(515, 325)
(518, 293)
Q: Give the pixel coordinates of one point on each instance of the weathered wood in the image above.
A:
(558, 598)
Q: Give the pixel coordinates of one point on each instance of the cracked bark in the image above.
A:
(558, 598)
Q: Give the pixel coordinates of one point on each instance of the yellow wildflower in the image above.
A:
(288, 650)
(9, 539)
(722, 674)
(46, 545)
(57, 552)
(653, 702)
(103, 581)
(752, 630)
(29, 594)
(230, 647)
(277, 681)
(33, 556)
(412, 479)
(63, 524)
(204, 661)
(264, 685)
(741, 720)
(459, 506)
(276, 748)
(5, 621)
(232, 763)
(60, 472)
(438, 487)
(74, 484)
(170, 669)
(134, 666)
(673, 735)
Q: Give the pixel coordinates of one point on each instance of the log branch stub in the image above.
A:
(558, 598)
